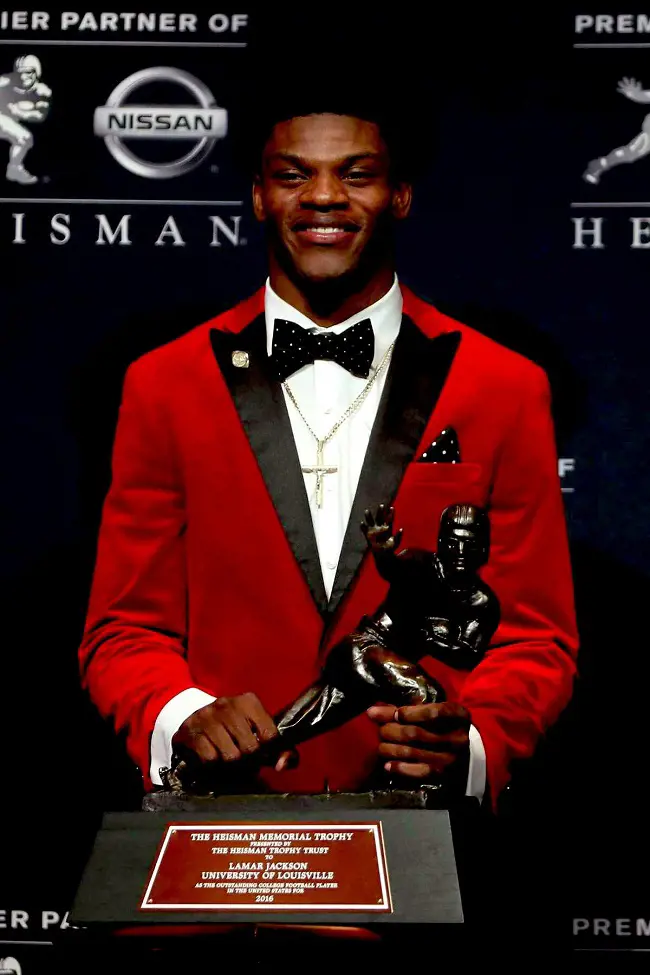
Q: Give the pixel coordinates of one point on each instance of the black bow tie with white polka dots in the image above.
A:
(295, 347)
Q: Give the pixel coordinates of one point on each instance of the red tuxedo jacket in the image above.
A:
(207, 569)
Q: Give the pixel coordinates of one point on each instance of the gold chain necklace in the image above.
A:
(319, 468)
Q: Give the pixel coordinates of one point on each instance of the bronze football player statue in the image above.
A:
(436, 606)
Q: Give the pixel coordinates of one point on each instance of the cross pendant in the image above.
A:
(320, 471)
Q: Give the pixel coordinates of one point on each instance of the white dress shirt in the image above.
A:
(323, 390)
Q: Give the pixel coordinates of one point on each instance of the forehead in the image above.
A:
(325, 137)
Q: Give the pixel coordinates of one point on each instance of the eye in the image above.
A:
(359, 174)
(289, 176)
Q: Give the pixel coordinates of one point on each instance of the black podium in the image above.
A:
(421, 863)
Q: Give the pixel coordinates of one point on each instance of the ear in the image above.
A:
(402, 199)
(258, 199)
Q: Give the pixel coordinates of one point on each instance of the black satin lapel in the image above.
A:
(417, 375)
(260, 403)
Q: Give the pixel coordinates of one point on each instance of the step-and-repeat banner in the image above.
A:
(125, 221)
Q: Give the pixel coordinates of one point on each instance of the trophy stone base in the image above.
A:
(427, 797)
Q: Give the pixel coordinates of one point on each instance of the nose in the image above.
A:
(324, 191)
(461, 546)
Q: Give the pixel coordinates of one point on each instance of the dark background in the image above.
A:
(517, 114)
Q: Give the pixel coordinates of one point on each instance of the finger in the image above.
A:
(199, 746)
(259, 717)
(238, 727)
(448, 714)
(418, 770)
(419, 737)
(370, 520)
(407, 753)
(381, 713)
(214, 729)
(398, 536)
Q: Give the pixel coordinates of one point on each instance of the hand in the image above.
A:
(631, 89)
(423, 741)
(230, 729)
(378, 528)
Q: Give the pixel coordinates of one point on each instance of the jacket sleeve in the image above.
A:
(132, 656)
(526, 678)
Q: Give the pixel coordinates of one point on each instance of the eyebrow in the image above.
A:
(299, 161)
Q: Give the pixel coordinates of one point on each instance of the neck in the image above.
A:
(462, 582)
(330, 302)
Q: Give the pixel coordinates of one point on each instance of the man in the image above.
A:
(231, 557)
(23, 98)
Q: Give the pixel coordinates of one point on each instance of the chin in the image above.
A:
(322, 269)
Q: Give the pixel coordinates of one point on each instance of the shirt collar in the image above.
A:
(385, 315)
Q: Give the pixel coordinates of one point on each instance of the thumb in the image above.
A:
(288, 759)
(381, 713)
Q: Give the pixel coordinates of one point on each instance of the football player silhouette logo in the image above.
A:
(634, 150)
(23, 98)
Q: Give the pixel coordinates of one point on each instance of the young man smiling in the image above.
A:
(230, 556)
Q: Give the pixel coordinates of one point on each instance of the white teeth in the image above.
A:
(325, 230)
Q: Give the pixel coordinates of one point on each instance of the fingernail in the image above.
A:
(388, 766)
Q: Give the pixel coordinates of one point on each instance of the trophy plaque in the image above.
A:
(269, 867)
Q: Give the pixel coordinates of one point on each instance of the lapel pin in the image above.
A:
(240, 359)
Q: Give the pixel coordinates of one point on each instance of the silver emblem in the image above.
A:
(240, 359)
(200, 121)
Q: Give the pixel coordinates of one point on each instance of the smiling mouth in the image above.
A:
(329, 233)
